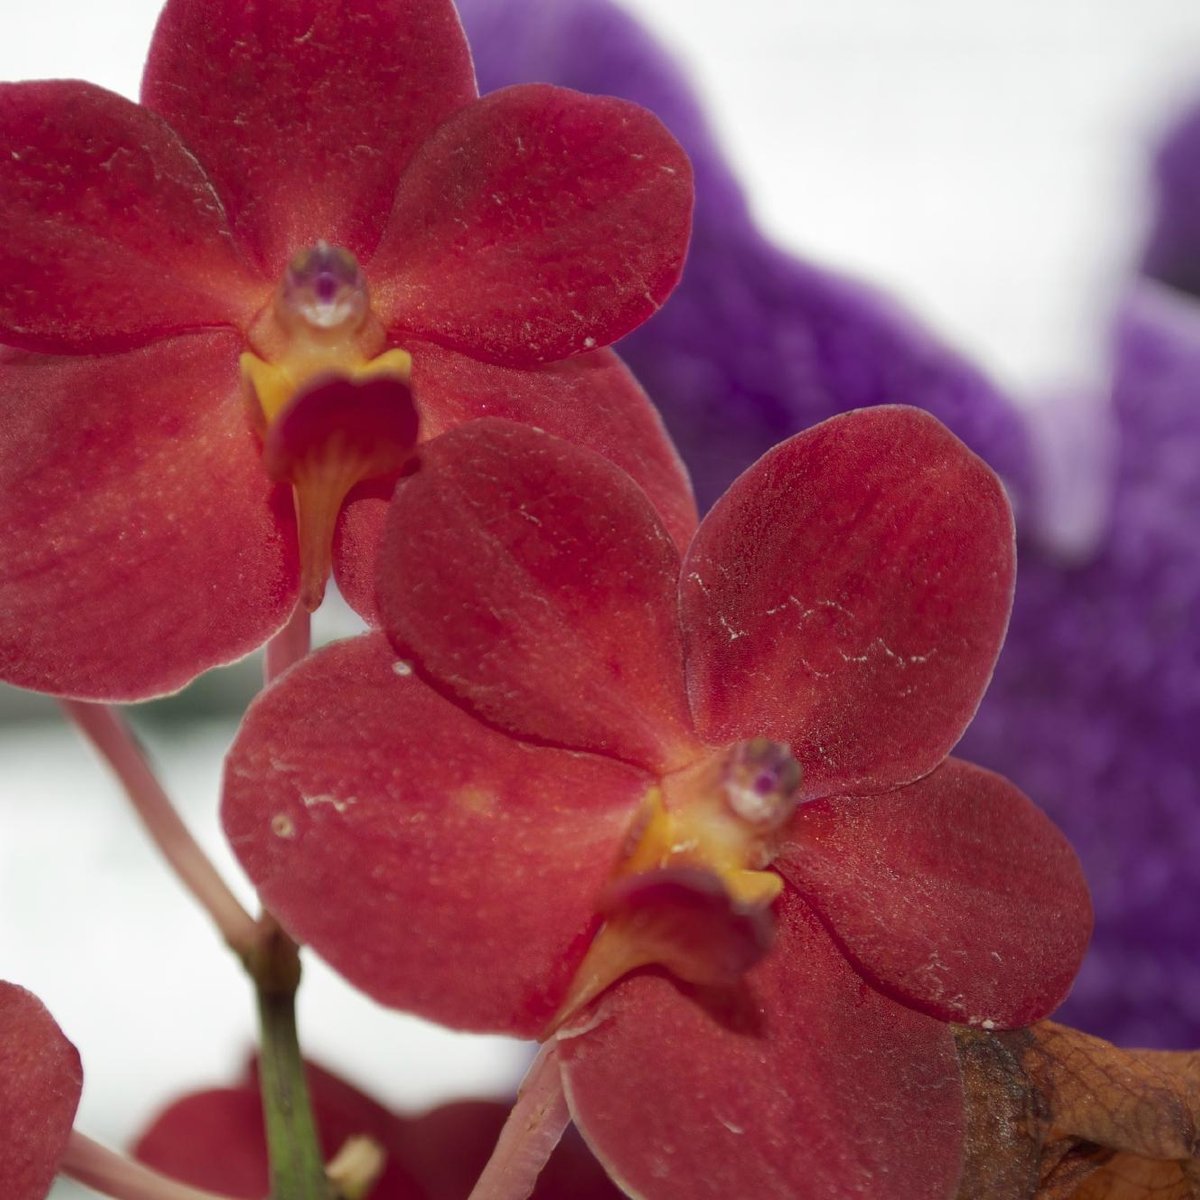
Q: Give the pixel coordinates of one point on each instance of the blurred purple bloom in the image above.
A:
(1095, 708)
(754, 344)
(1095, 705)
(1173, 247)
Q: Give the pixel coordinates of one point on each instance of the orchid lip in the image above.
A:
(330, 402)
(318, 324)
(693, 892)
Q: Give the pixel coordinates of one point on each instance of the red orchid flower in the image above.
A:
(216, 1140)
(40, 1083)
(695, 820)
(310, 188)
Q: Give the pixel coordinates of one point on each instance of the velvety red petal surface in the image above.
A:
(216, 1139)
(534, 225)
(813, 1085)
(142, 541)
(530, 579)
(40, 1082)
(591, 400)
(848, 596)
(440, 866)
(955, 894)
(305, 112)
(113, 235)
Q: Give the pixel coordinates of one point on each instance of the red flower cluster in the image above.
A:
(694, 819)
(309, 192)
(217, 1140)
(680, 803)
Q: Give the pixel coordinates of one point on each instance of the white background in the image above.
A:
(984, 161)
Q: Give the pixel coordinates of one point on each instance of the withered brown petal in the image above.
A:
(1144, 1102)
(1055, 1114)
(1131, 1177)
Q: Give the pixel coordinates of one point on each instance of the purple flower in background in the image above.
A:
(1095, 707)
(1172, 252)
(754, 344)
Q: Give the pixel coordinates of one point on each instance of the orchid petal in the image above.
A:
(40, 1082)
(534, 225)
(848, 597)
(954, 894)
(113, 235)
(755, 343)
(807, 1084)
(143, 542)
(530, 579)
(591, 400)
(440, 866)
(305, 113)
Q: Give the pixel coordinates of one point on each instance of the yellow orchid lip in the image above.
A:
(318, 333)
(693, 890)
(318, 323)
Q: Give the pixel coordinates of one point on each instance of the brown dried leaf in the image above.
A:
(1128, 1177)
(1146, 1102)
(1058, 1115)
(1002, 1159)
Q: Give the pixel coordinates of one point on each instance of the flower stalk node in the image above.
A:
(273, 961)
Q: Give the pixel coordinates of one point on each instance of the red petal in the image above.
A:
(592, 400)
(216, 1139)
(113, 235)
(40, 1082)
(140, 543)
(955, 894)
(531, 579)
(848, 597)
(305, 113)
(814, 1086)
(534, 225)
(213, 1140)
(440, 866)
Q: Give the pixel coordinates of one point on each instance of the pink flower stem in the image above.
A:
(529, 1135)
(115, 1175)
(109, 733)
(289, 645)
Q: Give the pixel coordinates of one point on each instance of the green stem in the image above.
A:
(297, 1164)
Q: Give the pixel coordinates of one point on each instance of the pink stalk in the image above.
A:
(289, 645)
(115, 1175)
(108, 732)
(529, 1135)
